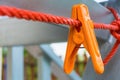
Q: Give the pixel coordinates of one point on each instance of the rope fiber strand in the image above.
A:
(114, 27)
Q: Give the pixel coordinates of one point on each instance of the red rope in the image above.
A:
(42, 17)
(116, 34)
(112, 53)
(36, 16)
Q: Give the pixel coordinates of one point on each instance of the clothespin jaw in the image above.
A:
(83, 36)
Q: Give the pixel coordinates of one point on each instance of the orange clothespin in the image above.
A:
(84, 36)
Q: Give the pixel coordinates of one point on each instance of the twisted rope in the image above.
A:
(114, 27)
(48, 18)
(36, 16)
(116, 34)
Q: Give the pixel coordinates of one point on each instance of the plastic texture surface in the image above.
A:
(82, 35)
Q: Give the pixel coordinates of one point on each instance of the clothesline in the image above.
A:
(48, 18)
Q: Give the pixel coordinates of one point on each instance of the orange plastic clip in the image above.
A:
(84, 36)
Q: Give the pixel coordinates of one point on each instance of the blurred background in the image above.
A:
(31, 63)
(28, 64)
